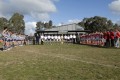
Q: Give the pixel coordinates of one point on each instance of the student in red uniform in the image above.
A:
(117, 36)
(97, 38)
(112, 37)
(105, 38)
(108, 39)
(101, 39)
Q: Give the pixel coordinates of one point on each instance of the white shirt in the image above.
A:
(74, 36)
(68, 37)
(48, 36)
(45, 37)
(71, 36)
(42, 36)
(61, 37)
(52, 37)
(58, 37)
(65, 37)
(55, 37)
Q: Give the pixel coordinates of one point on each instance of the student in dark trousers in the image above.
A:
(108, 39)
(112, 38)
(105, 37)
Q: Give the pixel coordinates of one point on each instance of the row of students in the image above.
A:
(52, 38)
(112, 38)
(57, 37)
(107, 38)
(92, 39)
(10, 39)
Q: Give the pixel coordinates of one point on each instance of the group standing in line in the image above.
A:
(54, 38)
(108, 38)
(10, 39)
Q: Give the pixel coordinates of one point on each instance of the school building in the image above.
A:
(65, 29)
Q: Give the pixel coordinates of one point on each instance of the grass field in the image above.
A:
(60, 62)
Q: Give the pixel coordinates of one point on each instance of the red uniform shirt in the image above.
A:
(111, 35)
(108, 35)
(105, 35)
(118, 35)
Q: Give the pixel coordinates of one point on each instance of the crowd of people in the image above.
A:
(54, 38)
(10, 39)
(108, 38)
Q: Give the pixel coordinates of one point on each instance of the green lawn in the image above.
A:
(60, 62)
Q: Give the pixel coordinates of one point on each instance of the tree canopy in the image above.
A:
(15, 23)
(97, 23)
(3, 22)
(47, 25)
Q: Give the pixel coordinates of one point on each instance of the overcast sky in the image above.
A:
(59, 11)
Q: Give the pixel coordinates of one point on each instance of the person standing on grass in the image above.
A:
(52, 38)
(108, 39)
(37, 36)
(45, 37)
(42, 39)
(117, 36)
(105, 38)
(27, 39)
(112, 37)
(74, 38)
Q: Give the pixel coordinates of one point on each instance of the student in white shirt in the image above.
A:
(65, 37)
(71, 37)
(55, 37)
(48, 37)
(42, 37)
(45, 37)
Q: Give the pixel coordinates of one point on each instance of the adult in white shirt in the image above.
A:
(71, 37)
(68, 38)
(59, 39)
(55, 37)
(74, 38)
(42, 39)
(48, 37)
(45, 37)
(65, 37)
(42, 36)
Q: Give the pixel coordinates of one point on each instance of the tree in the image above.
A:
(39, 25)
(17, 23)
(96, 23)
(116, 26)
(3, 22)
(46, 25)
